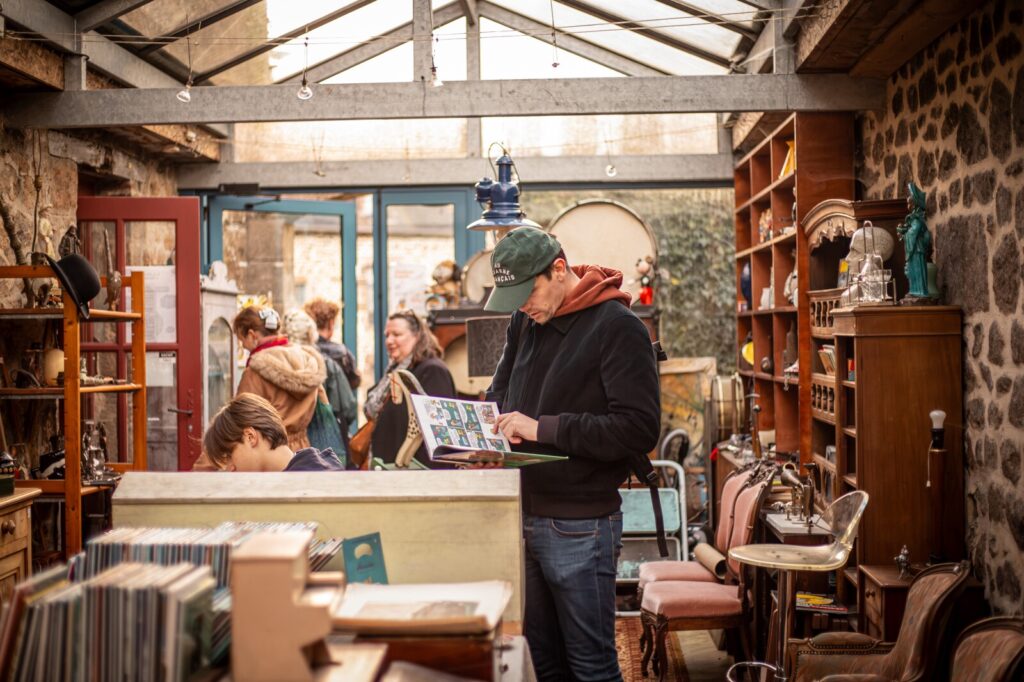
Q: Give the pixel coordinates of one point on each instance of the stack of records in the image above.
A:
(199, 546)
(132, 622)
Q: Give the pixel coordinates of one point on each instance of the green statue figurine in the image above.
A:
(917, 243)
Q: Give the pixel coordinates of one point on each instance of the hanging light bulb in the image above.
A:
(610, 170)
(185, 94)
(554, 37)
(435, 80)
(305, 92)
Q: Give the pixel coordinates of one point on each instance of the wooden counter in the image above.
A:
(436, 526)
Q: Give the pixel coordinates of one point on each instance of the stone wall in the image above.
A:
(955, 124)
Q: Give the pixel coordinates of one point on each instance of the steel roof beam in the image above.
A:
(661, 168)
(457, 99)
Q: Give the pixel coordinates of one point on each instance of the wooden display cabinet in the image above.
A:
(823, 147)
(907, 362)
(15, 540)
(70, 394)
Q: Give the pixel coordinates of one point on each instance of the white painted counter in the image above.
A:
(436, 526)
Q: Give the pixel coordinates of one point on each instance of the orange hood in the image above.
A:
(596, 285)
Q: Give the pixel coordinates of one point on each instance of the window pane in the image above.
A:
(218, 367)
(419, 237)
(428, 138)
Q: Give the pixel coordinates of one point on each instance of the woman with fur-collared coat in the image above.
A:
(286, 375)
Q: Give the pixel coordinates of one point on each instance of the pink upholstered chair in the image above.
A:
(917, 653)
(693, 571)
(668, 606)
(991, 650)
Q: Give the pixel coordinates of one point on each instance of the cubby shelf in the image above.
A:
(823, 145)
(70, 393)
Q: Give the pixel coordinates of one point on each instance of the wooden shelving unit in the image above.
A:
(71, 392)
(907, 362)
(824, 152)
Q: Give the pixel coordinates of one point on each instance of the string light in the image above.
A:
(554, 36)
(435, 80)
(185, 94)
(305, 92)
(610, 170)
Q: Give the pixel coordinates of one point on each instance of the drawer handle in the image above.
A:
(869, 593)
(7, 527)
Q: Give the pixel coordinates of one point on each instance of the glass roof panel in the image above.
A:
(161, 17)
(279, 17)
(617, 39)
(428, 138)
(394, 66)
(508, 54)
(629, 134)
(672, 22)
(731, 10)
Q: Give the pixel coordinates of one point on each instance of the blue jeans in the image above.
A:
(570, 597)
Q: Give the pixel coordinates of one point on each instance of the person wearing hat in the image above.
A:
(578, 377)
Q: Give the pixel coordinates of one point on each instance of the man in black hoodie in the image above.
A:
(578, 377)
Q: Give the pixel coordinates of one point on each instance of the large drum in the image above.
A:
(477, 276)
(456, 357)
(607, 233)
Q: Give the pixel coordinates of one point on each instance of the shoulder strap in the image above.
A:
(644, 470)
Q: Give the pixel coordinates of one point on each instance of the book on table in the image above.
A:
(472, 608)
(462, 432)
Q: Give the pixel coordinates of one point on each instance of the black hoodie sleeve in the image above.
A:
(629, 374)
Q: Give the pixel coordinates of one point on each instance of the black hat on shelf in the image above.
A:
(78, 278)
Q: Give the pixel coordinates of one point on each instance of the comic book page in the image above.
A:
(462, 432)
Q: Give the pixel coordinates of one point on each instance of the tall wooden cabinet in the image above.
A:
(821, 167)
(906, 363)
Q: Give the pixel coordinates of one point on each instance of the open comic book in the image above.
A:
(421, 609)
(462, 432)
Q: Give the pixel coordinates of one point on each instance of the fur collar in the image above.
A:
(292, 368)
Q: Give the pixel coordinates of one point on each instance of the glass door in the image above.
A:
(415, 231)
(159, 236)
(290, 250)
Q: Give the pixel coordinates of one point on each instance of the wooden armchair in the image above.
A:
(672, 605)
(917, 653)
(991, 650)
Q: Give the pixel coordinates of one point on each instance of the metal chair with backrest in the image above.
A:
(843, 517)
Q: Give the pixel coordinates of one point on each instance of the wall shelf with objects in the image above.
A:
(807, 159)
(72, 395)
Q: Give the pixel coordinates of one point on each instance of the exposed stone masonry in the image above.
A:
(955, 125)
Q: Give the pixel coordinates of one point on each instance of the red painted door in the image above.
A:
(159, 236)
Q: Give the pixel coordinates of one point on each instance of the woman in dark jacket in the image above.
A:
(412, 346)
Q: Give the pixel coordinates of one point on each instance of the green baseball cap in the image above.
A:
(524, 253)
